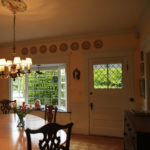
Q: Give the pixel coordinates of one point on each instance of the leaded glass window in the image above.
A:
(107, 76)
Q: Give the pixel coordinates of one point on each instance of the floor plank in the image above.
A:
(83, 142)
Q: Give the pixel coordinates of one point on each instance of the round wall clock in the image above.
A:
(33, 50)
(63, 47)
(86, 45)
(24, 51)
(53, 48)
(98, 44)
(43, 49)
(74, 46)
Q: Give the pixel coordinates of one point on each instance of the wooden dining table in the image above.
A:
(14, 138)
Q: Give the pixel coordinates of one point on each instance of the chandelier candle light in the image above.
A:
(13, 68)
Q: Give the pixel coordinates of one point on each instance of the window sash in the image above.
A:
(58, 67)
(103, 76)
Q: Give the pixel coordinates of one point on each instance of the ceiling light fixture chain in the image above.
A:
(14, 35)
(14, 68)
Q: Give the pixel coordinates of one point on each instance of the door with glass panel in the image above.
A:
(108, 95)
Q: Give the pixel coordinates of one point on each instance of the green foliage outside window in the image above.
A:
(108, 76)
(40, 86)
(44, 87)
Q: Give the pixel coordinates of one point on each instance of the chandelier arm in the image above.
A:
(14, 68)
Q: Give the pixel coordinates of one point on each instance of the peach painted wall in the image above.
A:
(4, 84)
(76, 57)
(144, 31)
(143, 45)
(139, 100)
(77, 98)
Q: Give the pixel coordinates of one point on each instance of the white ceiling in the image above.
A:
(60, 18)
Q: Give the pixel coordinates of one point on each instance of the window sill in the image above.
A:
(58, 111)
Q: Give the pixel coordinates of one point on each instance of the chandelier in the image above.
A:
(17, 66)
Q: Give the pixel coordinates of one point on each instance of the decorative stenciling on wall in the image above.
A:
(33, 50)
(63, 47)
(24, 51)
(98, 44)
(53, 48)
(86, 45)
(43, 49)
(74, 46)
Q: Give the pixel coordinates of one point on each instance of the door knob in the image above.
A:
(91, 93)
(131, 99)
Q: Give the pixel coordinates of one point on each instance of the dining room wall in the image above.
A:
(78, 103)
(144, 47)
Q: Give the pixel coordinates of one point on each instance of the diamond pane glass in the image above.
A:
(107, 76)
(115, 76)
(100, 76)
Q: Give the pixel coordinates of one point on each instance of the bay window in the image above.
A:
(45, 82)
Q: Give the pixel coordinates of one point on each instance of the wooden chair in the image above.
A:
(51, 140)
(50, 113)
(5, 108)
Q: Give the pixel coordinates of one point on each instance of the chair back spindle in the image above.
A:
(50, 113)
(51, 139)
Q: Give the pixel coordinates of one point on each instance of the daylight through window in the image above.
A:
(107, 76)
(46, 83)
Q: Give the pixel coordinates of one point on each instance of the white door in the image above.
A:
(108, 95)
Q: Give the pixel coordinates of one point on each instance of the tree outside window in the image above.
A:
(49, 86)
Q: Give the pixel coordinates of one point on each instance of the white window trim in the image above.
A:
(59, 87)
(26, 88)
(45, 67)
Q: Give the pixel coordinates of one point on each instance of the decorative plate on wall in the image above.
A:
(24, 51)
(74, 46)
(63, 47)
(86, 45)
(98, 44)
(43, 49)
(33, 50)
(53, 48)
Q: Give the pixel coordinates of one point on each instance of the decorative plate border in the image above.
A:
(74, 46)
(98, 44)
(43, 49)
(86, 45)
(53, 48)
(24, 51)
(33, 50)
(63, 47)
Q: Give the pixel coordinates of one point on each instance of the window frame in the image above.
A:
(48, 67)
(108, 76)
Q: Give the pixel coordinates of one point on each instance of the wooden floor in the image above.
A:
(14, 138)
(82, 142)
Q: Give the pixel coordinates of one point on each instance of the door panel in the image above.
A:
(109, 97)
